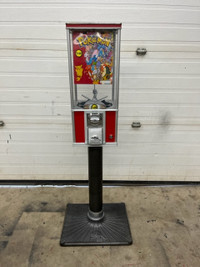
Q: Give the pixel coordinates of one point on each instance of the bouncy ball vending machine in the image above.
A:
(94, 59)
(94, 82)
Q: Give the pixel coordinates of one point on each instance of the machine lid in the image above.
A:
(93, 26)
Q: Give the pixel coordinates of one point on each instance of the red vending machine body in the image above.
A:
(79, 126)
(111, 127)
(93, 56)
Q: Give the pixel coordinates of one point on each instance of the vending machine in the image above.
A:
(93, 62)
(94, 82)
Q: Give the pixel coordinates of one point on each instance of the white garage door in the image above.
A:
(160, 90)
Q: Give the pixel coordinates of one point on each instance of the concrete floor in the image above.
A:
(164, 221)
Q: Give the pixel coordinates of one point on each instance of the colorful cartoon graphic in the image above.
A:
(93, 57)
(79, 72)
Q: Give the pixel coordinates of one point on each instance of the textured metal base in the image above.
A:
(79, 230)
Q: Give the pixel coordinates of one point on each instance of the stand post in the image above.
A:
(95, 173)
(86, 225)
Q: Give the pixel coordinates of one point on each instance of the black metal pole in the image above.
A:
(95, 173)
(95, 228)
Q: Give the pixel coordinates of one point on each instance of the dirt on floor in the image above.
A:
(164, 222)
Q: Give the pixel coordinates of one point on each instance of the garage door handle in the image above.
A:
(2, 123)
(141, 51)
(136, 124)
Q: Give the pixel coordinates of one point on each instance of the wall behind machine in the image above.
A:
(161, 90)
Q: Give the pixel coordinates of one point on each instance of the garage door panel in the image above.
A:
(160, 90)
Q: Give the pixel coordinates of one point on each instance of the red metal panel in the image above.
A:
(79, 127)
(110, 126)
(71, 25)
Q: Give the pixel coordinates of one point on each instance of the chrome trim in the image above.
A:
(104, 127)
(83, 144)
(85, 125)
(116, 127)
(73, 127)
(69, 33)
(95, 216)
(114, 69)
(94, 110)
(93, 28)
(118, 64)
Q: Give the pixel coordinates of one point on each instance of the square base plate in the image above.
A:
(79, 230)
